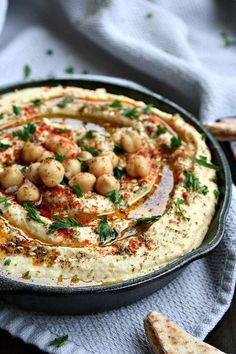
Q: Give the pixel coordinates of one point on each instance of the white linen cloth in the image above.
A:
(175, 48)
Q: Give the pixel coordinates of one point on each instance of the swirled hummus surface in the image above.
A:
(97, 188)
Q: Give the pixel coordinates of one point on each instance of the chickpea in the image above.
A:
(138, 166)
(72, 167)
(85, 180)
(28, 191)
(100, 165)
(131, 141)
(112, 156)
(45, 155)
(31, 152)
(51, 172)
(62, 145)
(106, 183)
(11, 176)
(85, 155)
(33, 173)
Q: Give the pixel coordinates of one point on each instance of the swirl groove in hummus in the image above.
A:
(97, 188)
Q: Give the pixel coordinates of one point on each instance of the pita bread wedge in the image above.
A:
(165, 337)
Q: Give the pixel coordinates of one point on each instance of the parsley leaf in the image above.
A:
(119, 172)
(66, 223)
(60, 157)
(118, 149)
(143, 221)
(106, 233)
(116, 104)
(202, 160)
(77, 190)
(192, 182)
(26, 275)
(130, 112)
(59, 341)
(64, 102)
(70, 70)
(88, 135)
(93, 151)
(5, 201)
(27, 71)
(1, 116)
(216, 193)
(203, 136)
(62, 131)
(49, 52)
(175, 142)
(4, 146)
(178, 210)
(37, 102)
(26, 133)
(148, 108)
(227, 41)
(159, 131)
(114, 196)
(7, 262)
(23, 169)
(32, 212)
(84, 71)
(16, 109)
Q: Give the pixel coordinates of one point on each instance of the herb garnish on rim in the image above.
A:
(26, 133)
(37, 102)
(178, 210)
(32, 212)
(88, 135)
(4, 146)
(115, 197)
(116, 104)
(1, 116)
(159, 131)
(59, 341)
(64, 102)
(175, 142)
(70, 70)
(27, 71)
(106, 233)
(77, 190)
(193, 183)
(144, 221)
(148, 108)
(202, 160)
(66, 223)
(7, 262)
(130, 112)
(16, 109)
(228, 42)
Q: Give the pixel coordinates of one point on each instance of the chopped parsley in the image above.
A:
(16, 109)
(5, 202)
(64, 102)
(26, 133)
(83, 159)
(114, 196)
(105, 231)
(216, 193)
(62, 131)
(119, 172)
(149, 15)
(148, 108)
(203, 136)
(202, 160)
(60, 157)
(66, 223)
(32, 212)
(4, 146)
(93, 151)
(144, 221)
(7, 262)
(59, 341)
(26, 275)
(24, 169)
(116, 104)
(228, 42)
(130, 112)
(178, 209)
(37, 102)
(49, 52)
(70, 70)
(193, 183)
(88, 135)
(1, 116)
(118, 149)
(26, 71)
(159, 131)
(85, 71)
(175, 141)
(77, 190)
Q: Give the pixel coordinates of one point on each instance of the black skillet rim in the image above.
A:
(117, 83)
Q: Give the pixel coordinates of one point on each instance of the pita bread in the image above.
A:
(165, 337)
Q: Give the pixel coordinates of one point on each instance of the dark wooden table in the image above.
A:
(222, 337)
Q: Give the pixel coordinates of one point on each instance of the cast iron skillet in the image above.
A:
(67, 300)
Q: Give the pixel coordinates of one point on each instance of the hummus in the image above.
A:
(97, 188)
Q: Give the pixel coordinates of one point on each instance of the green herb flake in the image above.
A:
(60, 157)
(175, 141)
(49, 52)
(159, 131)
(228, 42)
(37, 102)
(204, 190)
(93, 151)
(216, 193)
(119, 172)
(26, 133)
(118, 149)
(149, 15)
(62, 131)
(1, 116)
(26, 71)
(193, 183)
(26, 275)
(144, 221)
(202, 160)
(59, 341)
(105, 231)
(115, 197)
(88, 135)
(85, 72)
(23, 169)
(32, 212)
(77, 190)
(70, 70)
(178, 209)
(148, 108)
(5, 201)
(7, 262)
(203, 136)
(4, 146)
(64, 102)
(116, 104)
(130, 112)
(66, 223)
(16, 110)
